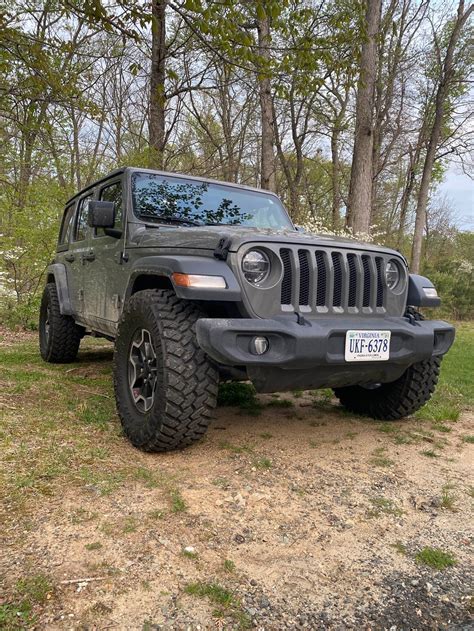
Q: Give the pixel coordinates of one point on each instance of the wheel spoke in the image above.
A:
(142, 370)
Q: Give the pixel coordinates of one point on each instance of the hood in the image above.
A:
(208, 237)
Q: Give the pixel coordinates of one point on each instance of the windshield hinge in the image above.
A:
(222, 248)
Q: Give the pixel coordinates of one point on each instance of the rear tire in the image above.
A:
(400, 398)
(165, 385)
(59, 335)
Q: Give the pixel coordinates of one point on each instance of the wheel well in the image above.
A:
(150, 281)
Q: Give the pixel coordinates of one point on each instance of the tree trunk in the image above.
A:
(360, 189)
(335, 176)
(267, 165)
(157, 133)
(445, 80)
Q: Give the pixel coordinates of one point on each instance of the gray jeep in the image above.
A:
(198, 280)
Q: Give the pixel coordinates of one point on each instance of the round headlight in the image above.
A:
(393, 274)
(255, 266)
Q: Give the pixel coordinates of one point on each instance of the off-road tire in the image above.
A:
(400, 398)
(186, 390)
(61, 344)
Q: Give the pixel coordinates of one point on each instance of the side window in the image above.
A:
(81, 223)
(112, 193)
(66, 226)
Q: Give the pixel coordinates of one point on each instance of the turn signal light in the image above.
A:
(197, 280)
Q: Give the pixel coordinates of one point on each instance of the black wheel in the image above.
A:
(59, 335)
(400, 398)
(165, 385)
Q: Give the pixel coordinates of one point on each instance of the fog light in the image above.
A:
(259, 345)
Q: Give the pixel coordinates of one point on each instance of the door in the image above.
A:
(106, 271)
(74, 257)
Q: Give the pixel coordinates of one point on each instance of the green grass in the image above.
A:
(383, 506)
(229, 566)
(280, 403)
(30, 592)
(228, 605)
(379, 459)
(240, 395)
(468, 439)
(95, 545)
(263, 463)
(178, 505)
(436, 558)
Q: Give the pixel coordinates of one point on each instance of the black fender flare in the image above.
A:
(58, 270)
(183, 264)
(417, 296)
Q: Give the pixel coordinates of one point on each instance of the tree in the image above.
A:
(360, 190)
(447, 78)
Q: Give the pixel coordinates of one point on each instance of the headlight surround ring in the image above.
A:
(256, 267)
(394, 275)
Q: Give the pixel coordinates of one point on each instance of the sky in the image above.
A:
(459, 189)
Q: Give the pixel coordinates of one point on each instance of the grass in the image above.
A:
(263, 463)
(228, 605)
(95, 545)
(448, 500)
(178, 505)
(468, 439)
(280, 403)
(30, 592)
(383, 506)
(240, 395)
(436, 558)
(400, 547)
(379, 459)
(229, 566)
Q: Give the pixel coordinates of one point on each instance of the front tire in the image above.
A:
(395, 400)
(165, 385)
(400, 398)
(59, 335)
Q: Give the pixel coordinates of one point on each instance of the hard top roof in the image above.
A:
(121, 170)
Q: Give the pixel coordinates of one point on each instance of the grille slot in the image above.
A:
(321, 282)
(380, 270)
(351, 262)
(287, 281)
(304, 277)
(337, 288)
(367, 281)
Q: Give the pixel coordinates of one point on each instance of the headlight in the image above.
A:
(393, 274)
(256, 266)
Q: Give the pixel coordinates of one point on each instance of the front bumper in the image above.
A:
(311, 353)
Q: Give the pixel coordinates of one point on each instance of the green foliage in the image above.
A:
(436, 558)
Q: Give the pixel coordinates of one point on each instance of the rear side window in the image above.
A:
(66, 226)
(112, 193)
(81, 223)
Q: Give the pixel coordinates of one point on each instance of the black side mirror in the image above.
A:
(101, 214)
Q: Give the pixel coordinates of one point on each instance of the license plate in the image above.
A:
(367, 346)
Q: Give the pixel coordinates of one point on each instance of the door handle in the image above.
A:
(90, 256)
(69, 257)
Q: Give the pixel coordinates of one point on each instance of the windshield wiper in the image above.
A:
(171, 219)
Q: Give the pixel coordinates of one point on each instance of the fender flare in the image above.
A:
(58, 270)
(206, 266)
(416, 295)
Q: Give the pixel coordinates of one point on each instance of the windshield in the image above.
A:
(158, 198)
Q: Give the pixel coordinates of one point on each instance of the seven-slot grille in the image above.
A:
(324, 280)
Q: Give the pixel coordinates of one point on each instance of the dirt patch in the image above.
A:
(301, 517)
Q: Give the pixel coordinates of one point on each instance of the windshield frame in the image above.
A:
(189, 179)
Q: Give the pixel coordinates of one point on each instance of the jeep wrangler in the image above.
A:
(197, 280)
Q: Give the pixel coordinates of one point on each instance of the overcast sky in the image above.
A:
(459, 189)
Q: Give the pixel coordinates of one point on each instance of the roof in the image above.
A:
(169, 174)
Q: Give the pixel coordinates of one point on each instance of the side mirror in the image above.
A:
(101, 214)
